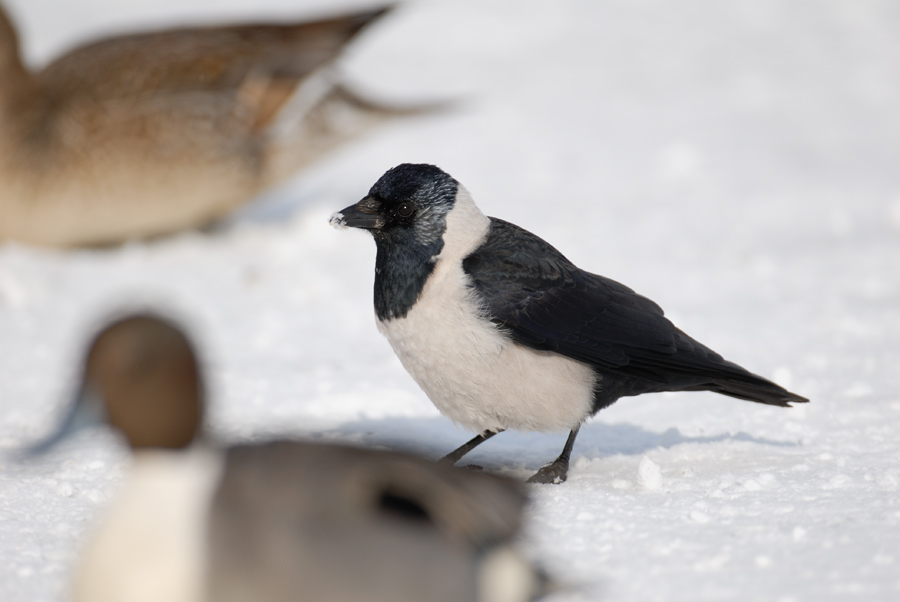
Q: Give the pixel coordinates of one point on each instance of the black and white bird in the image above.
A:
(503, 332)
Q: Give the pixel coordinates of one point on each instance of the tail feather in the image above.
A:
(759, 391)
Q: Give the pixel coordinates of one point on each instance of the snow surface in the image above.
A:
(735, 161)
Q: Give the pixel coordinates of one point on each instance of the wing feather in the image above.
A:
(546, 302)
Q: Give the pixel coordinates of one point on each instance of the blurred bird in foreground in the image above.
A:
(281, 521)
(147, 134)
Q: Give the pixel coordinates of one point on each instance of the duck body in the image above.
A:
(147, 134)
(365, 525)
(288, 520)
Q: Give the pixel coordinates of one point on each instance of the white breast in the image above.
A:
(152, 543)
(473, 373)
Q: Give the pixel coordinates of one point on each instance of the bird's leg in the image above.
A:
(454, 456)
(557, 471)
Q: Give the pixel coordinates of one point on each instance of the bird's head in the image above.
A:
(141, 377)
(408, 205)
(418, 215)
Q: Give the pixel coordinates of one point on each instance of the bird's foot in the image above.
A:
(472, 467)
(551, 474)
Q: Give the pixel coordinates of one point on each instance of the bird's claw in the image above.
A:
(551, 474)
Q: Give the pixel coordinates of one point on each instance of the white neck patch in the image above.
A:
(467, 228)
(151, 545)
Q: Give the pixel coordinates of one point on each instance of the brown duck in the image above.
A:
(146, 134)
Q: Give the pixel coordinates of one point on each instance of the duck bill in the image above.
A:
(363, 214)
(87, 411)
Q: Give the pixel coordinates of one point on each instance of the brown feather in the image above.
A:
(150, 133)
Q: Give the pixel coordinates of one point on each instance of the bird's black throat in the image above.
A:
(402, 266)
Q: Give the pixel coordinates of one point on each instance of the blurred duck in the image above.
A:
(147, 134)
(279, 521)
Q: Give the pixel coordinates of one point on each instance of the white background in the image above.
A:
(737, 162)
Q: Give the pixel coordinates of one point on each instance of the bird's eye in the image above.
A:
(405, 209)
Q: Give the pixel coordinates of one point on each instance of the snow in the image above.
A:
(736, 162)
(338, 221)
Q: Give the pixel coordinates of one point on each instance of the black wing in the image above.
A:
(545, 302)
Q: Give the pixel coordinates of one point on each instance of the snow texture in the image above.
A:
(737, 162)
(338, 221)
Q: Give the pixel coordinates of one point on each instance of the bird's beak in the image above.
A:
(364, 215)
(87, 411)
